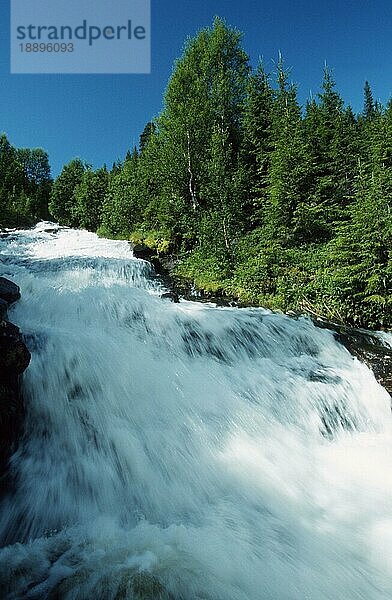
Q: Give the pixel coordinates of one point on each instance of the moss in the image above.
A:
(144, 586)
(132, 586)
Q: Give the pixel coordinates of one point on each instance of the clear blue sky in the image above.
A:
(98, 117)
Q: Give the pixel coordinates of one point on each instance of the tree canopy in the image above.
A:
(25, 184)
(258, 197)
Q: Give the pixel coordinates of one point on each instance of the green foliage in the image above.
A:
(205, 270)
(155, 240)
(203, 102)
(121, 209)
(35, 162)
(25, 184)
(360, 274)
(62, 199)
(331, 132)
(369, 106)
(257, 142)
(259, 198)
(89, 196)
(145, 136)
(289, 171)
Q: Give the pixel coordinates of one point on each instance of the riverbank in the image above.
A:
(363, 344)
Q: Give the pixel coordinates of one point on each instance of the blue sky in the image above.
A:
(98, 117)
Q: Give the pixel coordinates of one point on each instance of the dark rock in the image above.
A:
(142, 251)
(147, 587)
(367, 347)
(8, 402)
(14, 359)
(3, 309)
(11, 418)
(173, 296)
(130, 586)
(14, 356)
(185, 288)
(8, 236)
(377, 358)
(142, 586)
(51, 230)
(9, 291)
(7, 328)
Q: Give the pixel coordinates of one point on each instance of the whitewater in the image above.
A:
(227, 453)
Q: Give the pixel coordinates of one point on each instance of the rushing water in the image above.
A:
(233, 454)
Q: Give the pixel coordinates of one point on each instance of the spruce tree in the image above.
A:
(89, 196)
(120, 209)
(62, 198)
(332, 136)
(257, 140)
(289, 165)
(369, 107)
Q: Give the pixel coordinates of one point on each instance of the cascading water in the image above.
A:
(231, 454)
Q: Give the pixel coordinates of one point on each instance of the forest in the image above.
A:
(255, 197)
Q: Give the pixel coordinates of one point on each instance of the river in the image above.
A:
(230, 454)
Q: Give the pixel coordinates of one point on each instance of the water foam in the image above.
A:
(234, 454)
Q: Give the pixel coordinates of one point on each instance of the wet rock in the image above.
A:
(132, 586)
(378, 359)
(142, 251)
(8, 402)
(8, 236)
(9, 291)
(14, 356)
(142, 586)
(7, 328)
(367, 347)
(14, 359)
(11, 418)
(11, 415)
(3, 309)
(173, 296)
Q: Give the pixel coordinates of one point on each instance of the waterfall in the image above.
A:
(226, 453)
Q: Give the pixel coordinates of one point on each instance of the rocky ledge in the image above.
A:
(367, 346)
(14, 359)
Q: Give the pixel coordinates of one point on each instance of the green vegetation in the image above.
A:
(25, 185)
(258, 197)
